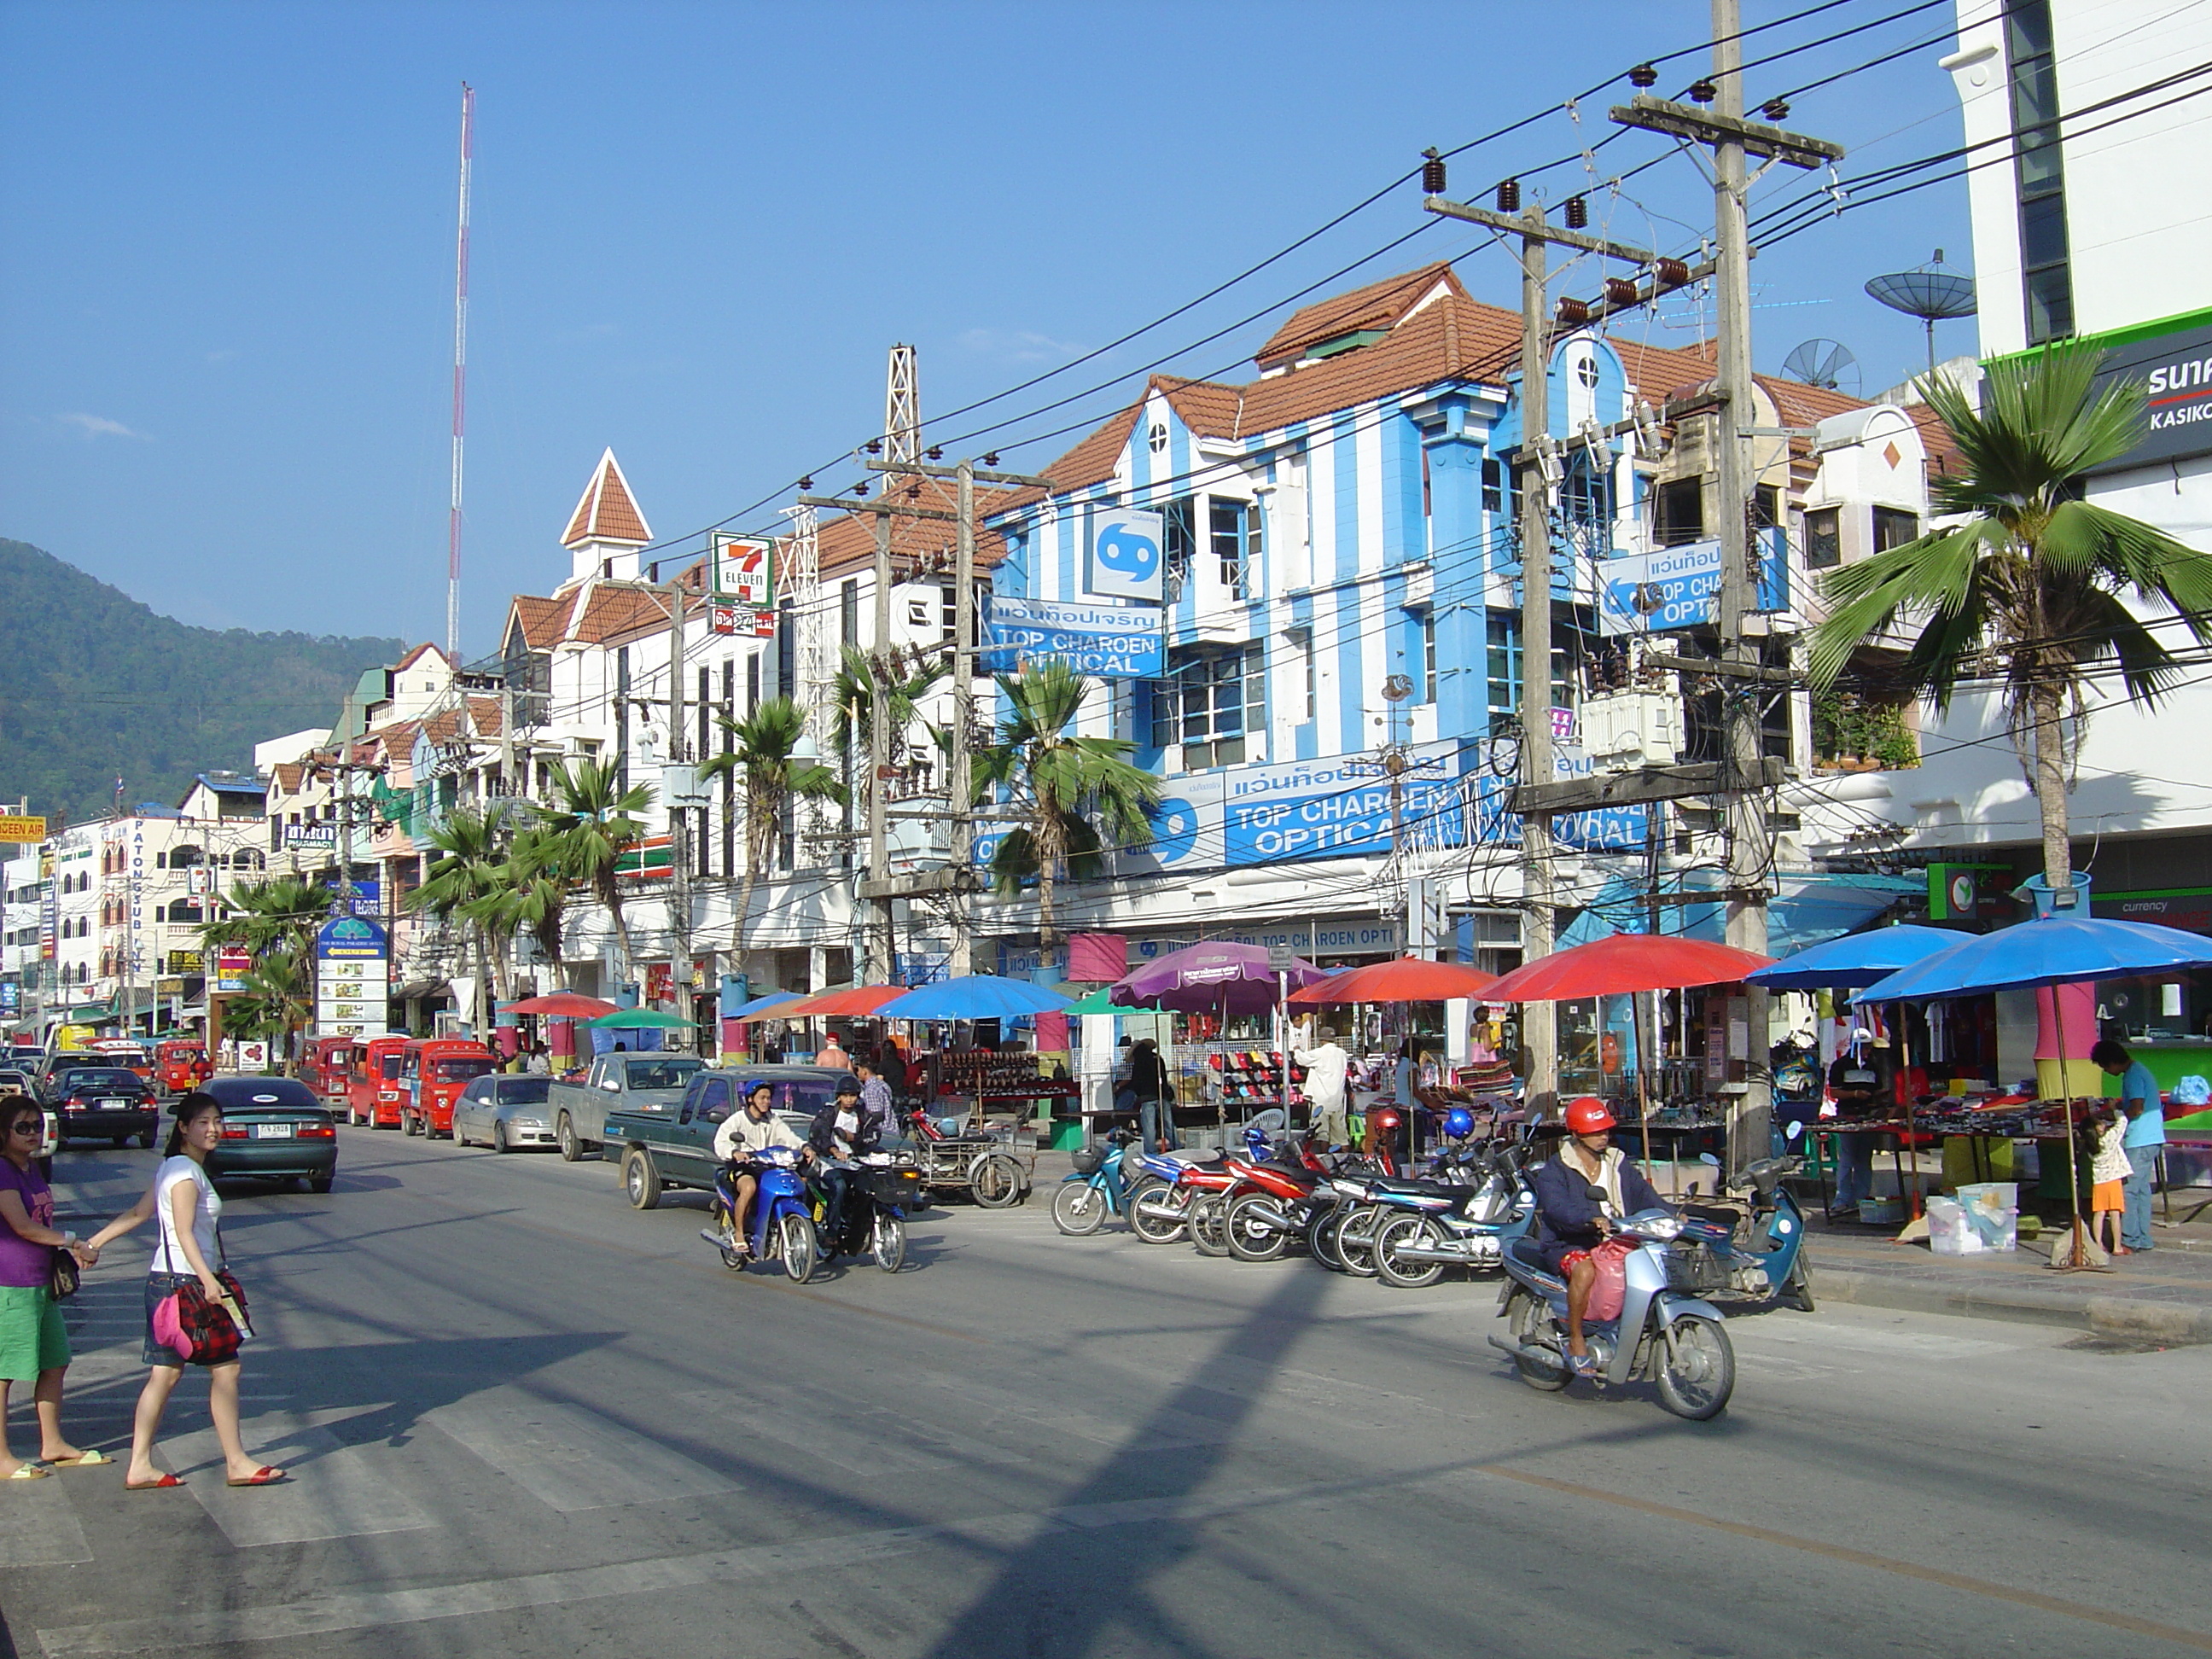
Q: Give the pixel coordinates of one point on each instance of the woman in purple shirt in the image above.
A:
(34, 1347)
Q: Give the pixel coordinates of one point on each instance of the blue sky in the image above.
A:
(226, 290)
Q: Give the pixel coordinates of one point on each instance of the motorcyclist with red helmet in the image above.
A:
(1569, 1220)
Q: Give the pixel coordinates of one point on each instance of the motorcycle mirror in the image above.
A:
(1790, 1131)
(1707, 1157)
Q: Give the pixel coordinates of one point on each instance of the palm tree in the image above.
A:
(470, 866)
(771, 775)
(531, 894)
(854, 696)
(1075, 796)
(597, 821)
(276, 922)
(2029, 589)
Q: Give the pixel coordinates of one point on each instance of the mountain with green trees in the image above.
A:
(95, 686)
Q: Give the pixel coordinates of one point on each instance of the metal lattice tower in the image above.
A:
(802, 586)
(460, 377)
(903, 407)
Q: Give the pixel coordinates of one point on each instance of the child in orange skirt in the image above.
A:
(2106, 1173)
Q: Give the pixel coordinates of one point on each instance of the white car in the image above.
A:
(504, 1113)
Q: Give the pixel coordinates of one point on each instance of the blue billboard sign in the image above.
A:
(1678, 587)
(1106, 642)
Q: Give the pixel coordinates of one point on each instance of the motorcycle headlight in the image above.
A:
(1656, 1226)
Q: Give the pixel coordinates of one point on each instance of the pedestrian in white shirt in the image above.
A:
(1325, 1064)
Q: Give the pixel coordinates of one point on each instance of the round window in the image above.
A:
(1586, 371)
(1158, 437)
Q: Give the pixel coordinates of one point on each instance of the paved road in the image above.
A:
(526, 1420)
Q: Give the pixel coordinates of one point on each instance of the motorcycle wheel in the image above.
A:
(1251, 1236)
(1697, 1368)
(1321, 1240)
(730, 1259)
(798, 1247)
(1415, 1273)
(1209, 1225)
(1079, 1209)
(1354, 1240)
(888, 1245)
(996, 1181)
(1154, 1215)
(1528, 1321)
(1797, 1289)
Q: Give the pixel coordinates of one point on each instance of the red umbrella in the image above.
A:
(1408, 979)
(1623, 964)
(561, 1005)
(853, 1002)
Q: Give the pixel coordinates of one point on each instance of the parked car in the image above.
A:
(14, 1082)
(329, 1065)
(620, 1081)
(505, 1113)
(103, 1103)
(660, 1149)
(374, 1092)
(274, 1128)
(432, 1071)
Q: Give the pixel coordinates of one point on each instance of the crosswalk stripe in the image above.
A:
(571, 1458)
(336, 1491)
(39, 1525)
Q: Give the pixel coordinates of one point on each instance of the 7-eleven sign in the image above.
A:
(743, 570)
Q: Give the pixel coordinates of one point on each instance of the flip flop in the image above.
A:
(81, 1461)
(30, 1471)
(1582, 1364)
(167, 1481)
(264, 1476)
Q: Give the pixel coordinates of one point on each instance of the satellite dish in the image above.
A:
(1930, 293)
(1824, 363)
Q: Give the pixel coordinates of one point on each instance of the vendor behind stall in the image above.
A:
(1863, 1084)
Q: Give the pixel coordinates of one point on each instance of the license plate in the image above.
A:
(272, 1132)
(122, 1105)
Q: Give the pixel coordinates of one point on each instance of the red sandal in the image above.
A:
(264, 1476)
(166, 1481)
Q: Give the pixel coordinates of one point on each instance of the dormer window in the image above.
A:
(1344, 343)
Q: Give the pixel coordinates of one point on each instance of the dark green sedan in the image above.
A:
(274, 1128)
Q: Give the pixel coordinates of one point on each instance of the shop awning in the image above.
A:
(93, 1013)
(417, 988)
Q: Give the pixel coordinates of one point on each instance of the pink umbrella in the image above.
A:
(1216, 977)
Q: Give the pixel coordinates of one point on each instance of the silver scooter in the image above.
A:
(1679, 1343)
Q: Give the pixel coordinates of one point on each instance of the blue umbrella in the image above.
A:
(768, 1004)
(1856, 959)
(974, 996)
(2052, 951)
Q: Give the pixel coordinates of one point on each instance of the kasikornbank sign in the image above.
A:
(2174, 371)
(1104, 641)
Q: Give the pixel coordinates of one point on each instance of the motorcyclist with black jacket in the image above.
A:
(1569, 1220)
(840, 1132)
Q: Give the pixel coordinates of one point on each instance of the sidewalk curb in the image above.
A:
(2137, 1317)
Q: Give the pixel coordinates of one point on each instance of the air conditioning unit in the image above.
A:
(1624, 730)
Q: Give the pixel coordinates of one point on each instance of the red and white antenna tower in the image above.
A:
(460, 379)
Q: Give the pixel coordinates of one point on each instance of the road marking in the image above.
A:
(568, 1457)
(336, 1491)
(320, 1615)
(1995, 1592)
(39, 1525)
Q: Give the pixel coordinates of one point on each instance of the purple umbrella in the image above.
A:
(1217, 977)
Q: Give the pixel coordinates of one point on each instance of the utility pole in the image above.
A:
(1538, 473)
(1743, 770)
(679, 876)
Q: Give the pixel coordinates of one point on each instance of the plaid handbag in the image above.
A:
(206, 1324)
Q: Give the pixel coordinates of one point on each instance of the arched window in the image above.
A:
(184, 909)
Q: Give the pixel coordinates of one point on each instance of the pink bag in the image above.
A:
(1610, 1289)
(169, 1326)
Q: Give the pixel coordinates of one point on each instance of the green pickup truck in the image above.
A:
(660, 1149)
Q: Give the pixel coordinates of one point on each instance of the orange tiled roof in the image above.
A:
(426, 649)
(1380, 304)
(484, 716)
(607, 512)
(1800, 404)
(1944, 455)
(1658, 372)
(848, 543)
(613, 614)
(544, 621)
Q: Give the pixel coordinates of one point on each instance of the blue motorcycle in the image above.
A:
(782, 1218)
(1441, 1224)
(1095, 1189)
(1766, 1263)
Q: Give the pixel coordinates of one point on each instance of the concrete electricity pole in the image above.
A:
(679, 875)
(1742, 769)
(1539, 474)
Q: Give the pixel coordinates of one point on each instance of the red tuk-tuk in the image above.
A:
(375, 1093)
(180, 1065)
(432, 1071)
(329, 1067)
(123, 1053)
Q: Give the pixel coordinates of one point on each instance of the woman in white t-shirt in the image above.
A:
(188, 1209)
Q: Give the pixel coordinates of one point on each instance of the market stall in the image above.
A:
(975, 1082)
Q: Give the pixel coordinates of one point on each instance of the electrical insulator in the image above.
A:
(1671, 273)
(874, 446)
(1775, 109)
(991, 459)
(1643, 76)
(1573, 313)
(1509, 196)
(806, 486)
(861, 489)
(1703, 92)
(1620, 291)
(1577, 213)
(1432, 173)
(935, 454)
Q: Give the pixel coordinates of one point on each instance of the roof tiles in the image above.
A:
(607, 512)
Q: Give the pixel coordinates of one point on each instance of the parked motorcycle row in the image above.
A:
(1470, 1208)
